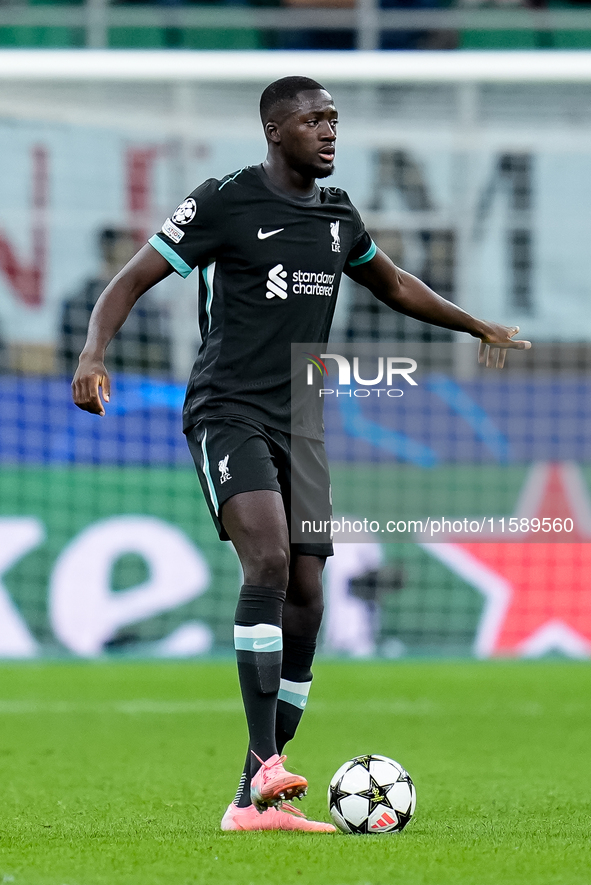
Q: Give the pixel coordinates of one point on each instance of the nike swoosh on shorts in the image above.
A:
(269, 233)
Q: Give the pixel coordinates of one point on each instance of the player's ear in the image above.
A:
(272, 132)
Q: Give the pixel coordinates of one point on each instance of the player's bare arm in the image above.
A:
(144, 270)
(406, 294)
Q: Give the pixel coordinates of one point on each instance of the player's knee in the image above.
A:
(271, 569)
(307, 613)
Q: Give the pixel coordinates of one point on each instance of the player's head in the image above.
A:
(299, 118)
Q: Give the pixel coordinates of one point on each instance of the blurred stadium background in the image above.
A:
(469, 158)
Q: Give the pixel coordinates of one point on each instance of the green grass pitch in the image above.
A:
(118, 774)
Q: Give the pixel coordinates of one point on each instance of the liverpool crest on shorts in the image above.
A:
(224, 472)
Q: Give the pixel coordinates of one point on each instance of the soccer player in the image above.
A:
(253, 236)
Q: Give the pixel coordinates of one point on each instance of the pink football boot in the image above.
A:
(285, 818)
(272, 784)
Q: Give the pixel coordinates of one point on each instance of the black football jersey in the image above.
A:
(269, 272)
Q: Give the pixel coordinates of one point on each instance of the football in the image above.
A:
(371, 794)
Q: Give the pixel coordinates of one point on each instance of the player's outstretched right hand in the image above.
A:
(91, 375)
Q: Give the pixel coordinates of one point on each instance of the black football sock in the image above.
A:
(242, 797)
(296, 679)
(258, 644)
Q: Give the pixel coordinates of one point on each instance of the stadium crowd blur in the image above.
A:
(142, 345)
(174, 35)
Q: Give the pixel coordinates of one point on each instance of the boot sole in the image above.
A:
(281, 790)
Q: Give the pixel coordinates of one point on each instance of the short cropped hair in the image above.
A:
(285, 89)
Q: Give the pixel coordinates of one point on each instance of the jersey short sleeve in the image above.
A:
(363, 248)
(194, 233)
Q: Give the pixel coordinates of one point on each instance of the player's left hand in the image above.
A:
(495, 343)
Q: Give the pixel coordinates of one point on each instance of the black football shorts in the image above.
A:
(234, 454)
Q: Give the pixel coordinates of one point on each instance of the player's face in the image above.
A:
(308, 134)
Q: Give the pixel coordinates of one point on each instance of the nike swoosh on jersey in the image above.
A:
(269, 233)
(257, 644)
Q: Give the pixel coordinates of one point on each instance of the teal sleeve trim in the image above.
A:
(365, 258)
(173, 259)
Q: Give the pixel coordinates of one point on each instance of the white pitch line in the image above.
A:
(421, 707)
(131, 707)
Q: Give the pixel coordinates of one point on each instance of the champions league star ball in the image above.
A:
(371, 794)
